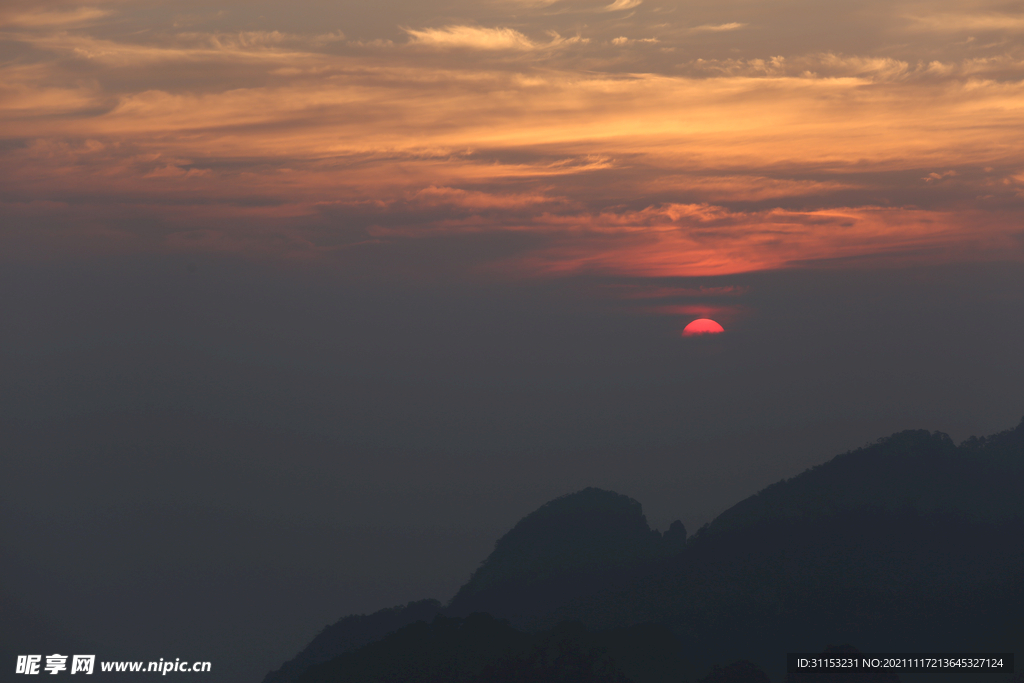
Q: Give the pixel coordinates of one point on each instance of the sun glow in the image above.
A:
(701, 327)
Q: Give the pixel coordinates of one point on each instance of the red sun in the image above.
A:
(702, 326)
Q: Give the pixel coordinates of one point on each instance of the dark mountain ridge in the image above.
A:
(915, 470)
(568, 547)
(351, 633)
(482, 649)
(573, 533)
(909, 543)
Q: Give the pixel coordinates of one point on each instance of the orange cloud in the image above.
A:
(731, 26)
(689, 165)
(669, 242)
(472, 37)
(42, 18)
(621, 5)
(974, 21)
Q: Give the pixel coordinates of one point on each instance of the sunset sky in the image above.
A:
(345, 279)
(642, 138)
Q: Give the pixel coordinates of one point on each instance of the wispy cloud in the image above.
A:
(531, 3)
(597, 158)
(960, 22)
(683, 241)
(471, 37)
(935, 177)
(647, 291)
(623, 40)
(717, 28)
(53, 18)
(621, 5)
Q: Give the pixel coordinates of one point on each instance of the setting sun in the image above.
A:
(702, 326)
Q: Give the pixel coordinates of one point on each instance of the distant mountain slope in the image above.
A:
(910, 544)
(351, 633)
(481, 649)
(576, 532)
(565, 548)
(979, 480)
(561, 549)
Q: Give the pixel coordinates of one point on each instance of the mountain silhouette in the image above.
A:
(909, 544)
(912, 543)
(914, 470)
(351, 633)
(565, 548)
(482, 649)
